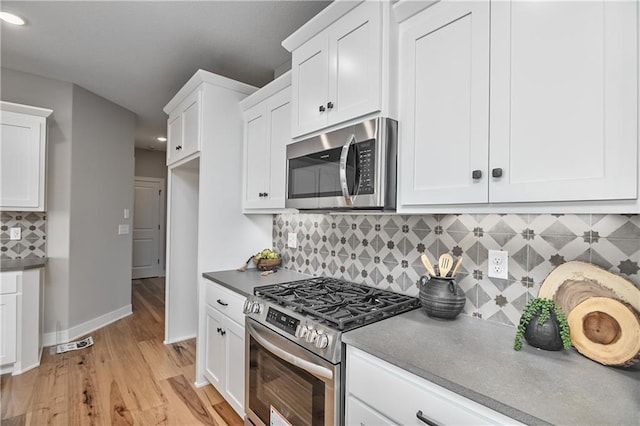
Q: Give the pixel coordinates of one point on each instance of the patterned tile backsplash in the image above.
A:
(384, 251)
(34, 235)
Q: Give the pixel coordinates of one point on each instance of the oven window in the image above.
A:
(296, 394)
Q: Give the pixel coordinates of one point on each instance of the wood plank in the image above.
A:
(118, 379)
(183, 390)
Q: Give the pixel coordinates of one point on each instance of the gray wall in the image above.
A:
(151, 163)
(102, 187)
(42, 92)
(90, 170)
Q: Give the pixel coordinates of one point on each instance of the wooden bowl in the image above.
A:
(267, 264)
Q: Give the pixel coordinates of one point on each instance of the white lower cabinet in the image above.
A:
(380, 393)
(224, 343)
(8, 338)
(20, 320)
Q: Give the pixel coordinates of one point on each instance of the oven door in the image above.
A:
(287, 384)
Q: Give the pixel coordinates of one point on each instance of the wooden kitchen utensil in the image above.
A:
(455, 269)
(427, 264)
(444, 264)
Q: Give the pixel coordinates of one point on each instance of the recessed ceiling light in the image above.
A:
(161, 139)
(11, 18)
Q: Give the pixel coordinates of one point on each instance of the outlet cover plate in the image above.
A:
(498, 264)
(292, 240)
(15, 233)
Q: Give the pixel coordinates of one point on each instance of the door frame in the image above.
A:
(162, 237)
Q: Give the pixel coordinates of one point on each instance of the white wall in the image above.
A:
(42, 92)
(89, 182)
(102, 187)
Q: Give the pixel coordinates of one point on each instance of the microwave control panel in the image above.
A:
(366, 164)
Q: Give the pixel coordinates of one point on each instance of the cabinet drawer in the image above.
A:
(226, 301)
(359, 413)
(9, 282)
(406, 394)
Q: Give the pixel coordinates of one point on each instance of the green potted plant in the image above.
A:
(543, 325)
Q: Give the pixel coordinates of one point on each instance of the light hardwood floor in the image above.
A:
(127, 377)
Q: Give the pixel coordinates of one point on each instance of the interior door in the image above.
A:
(146, 228)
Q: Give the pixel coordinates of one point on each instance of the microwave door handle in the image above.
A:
(309, 367)
(343, 170)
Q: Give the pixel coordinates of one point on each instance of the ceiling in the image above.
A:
(138, 54)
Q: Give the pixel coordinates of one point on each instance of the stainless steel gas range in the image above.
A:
(294, 352)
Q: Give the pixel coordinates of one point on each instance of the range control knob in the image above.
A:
(301, 331)
(256, 307)
(246, 308)
(322, 341)
(311, 336)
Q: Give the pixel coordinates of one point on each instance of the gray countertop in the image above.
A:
(244, 282)
(7, 265)
(475, 358)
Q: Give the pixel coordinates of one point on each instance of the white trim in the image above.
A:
(49, 339)
(25, 109)
(201, 382)
(179, 339)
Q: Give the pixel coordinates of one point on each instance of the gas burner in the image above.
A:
(336, 303)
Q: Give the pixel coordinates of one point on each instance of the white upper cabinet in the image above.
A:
(444, 106)
(184, 128)
(23, 151)
(519, 102)
(338, 71)
(267, 131)
(564, 93)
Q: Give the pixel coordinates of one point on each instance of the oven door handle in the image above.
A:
(308, 366)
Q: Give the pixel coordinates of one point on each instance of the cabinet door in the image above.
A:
(256, 156)
(8, 328)
(310, 82)
(564, 98)
(22, 161)
(214, 350)
(444, 84)
(191, 124)
(174, 134)
(234, 373)
(355, 68)
(279, 113)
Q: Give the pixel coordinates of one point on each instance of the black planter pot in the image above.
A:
(544, 336)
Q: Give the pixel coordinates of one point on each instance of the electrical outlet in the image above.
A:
(15, 233)
(292, 240)
(498, 264)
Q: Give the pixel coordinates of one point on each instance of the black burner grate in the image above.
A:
(341, 304)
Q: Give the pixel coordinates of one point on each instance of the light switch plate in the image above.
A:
(126, 213)
(123, 229)
(292, 240)
(15, 233)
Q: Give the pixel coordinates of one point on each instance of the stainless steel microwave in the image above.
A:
(349, 168)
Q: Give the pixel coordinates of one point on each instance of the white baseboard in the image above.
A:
(179, 339)
(64, 336)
